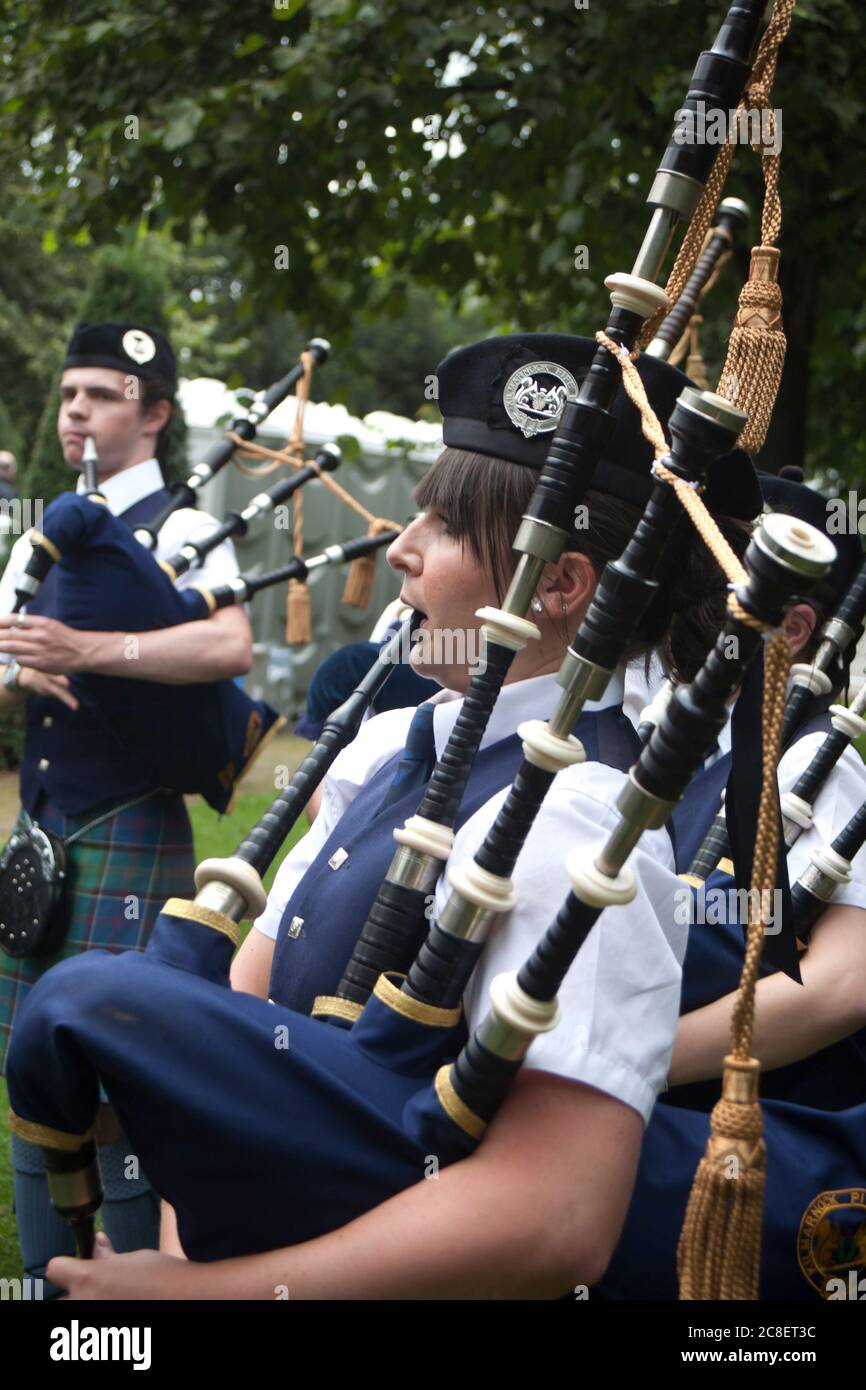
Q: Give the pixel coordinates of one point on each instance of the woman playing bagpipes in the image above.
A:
(538, 1208)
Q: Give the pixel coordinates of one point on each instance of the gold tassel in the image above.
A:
(719, 1253)
(297, 613)
(756, 351)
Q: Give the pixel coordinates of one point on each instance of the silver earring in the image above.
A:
(537, 606)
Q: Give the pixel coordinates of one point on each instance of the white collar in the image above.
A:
(535, 698)
(130, 485)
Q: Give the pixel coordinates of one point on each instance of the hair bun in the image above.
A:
(792, 472)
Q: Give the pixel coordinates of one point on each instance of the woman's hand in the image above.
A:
(142, 1275)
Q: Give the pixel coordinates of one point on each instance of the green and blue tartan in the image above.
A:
(118, 879)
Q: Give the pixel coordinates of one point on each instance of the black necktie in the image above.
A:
(418, 760)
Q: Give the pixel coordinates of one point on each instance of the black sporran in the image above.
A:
(32, 891)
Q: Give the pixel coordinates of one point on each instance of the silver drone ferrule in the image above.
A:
(581, 680)
(640, 811)
(413, 869)
(836, 636)
(28, 584)
(257, 506)
(222, 898)
(331, 555)
(75, 1190)
(465, 920)
(258, 410)
(201, 474)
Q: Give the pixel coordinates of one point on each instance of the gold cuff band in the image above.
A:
(37, 538)
(206, 595)
(208, 916)
(330, 1006)
(404, 1004)
(455, 1108)
(726, 866)
(46, 1137)
(167, 569)
(692, 880)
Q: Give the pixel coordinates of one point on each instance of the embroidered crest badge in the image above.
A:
(139, 346)
(831, 1243)
(535, 395)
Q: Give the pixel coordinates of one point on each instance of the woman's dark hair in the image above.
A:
(153, 390)
(484, 499)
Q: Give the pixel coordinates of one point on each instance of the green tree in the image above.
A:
(355, 146)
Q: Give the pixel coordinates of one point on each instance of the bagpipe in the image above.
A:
(340, 1118)
(810, 681)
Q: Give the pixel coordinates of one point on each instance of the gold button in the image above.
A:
(44, 764)
(48, 721)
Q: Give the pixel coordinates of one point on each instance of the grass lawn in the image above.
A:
(214, 835)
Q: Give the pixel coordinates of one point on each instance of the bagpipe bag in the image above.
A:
(193, 738)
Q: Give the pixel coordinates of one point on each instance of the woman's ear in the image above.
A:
(799, 625)
(568, 586)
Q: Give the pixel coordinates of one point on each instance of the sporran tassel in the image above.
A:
(756, 351)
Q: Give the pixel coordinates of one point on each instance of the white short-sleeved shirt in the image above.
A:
(121, 492)
(620, 1001)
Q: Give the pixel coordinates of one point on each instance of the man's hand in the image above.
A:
(43, 683)
(44, 644)
(145, 1274)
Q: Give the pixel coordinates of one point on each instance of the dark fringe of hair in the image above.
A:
(484, 499)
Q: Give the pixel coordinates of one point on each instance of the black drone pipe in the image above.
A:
(327, 460)
(732, 218)
(830, 869)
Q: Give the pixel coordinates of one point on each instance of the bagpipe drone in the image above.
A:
(338, 1119)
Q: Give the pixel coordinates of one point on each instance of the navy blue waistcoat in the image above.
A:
(72, 756)
(814, 1125)
(323, 918)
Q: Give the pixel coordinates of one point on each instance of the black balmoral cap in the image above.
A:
(788, 493)
(503, 397)
(132, 348)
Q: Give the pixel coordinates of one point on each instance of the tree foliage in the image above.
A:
(469, 149)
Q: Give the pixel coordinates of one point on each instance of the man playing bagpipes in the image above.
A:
(117, 387)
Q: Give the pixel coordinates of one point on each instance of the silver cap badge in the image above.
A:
(534, 404)
(139, 346)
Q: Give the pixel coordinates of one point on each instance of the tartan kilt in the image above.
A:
(119, 876)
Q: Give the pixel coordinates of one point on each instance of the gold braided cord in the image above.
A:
(703, 521)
